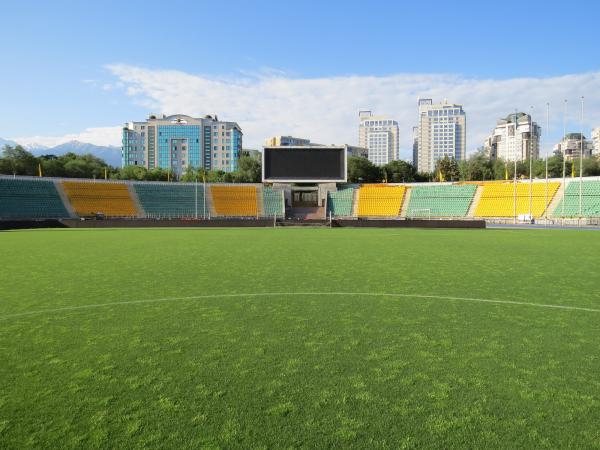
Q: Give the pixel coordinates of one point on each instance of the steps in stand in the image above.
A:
(308, 213)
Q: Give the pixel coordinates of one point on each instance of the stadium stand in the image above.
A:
(110, 199)
(339, 203)
(497, 199)
(272, 202)
(234, 201)
(590, 200)
(376, 200)
(30, 199)
(448, 200)
(171, 199)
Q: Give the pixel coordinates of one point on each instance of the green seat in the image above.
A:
(339, 203)
(590, 200)
(171, 199)
(273, 202)
(441, 200)
(30, 199)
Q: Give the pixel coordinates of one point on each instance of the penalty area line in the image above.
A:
(279, 294)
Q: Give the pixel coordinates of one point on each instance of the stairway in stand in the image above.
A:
(308, 213)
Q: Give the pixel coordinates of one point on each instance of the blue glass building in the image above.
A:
(177, 142)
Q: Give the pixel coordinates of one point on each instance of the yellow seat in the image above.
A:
(110, 199)
(380, 200)
(234, 201)
(498, 198)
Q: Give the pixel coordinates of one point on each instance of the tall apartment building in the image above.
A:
(441, 132)
(596, 141)
(570, 146)
(514, 138)
(179, 141)
(379, 135)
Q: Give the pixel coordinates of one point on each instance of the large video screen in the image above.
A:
(304, 164)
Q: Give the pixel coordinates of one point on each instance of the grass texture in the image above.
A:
(87, 361)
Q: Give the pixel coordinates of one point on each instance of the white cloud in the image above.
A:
(102, 136)
(326, 109)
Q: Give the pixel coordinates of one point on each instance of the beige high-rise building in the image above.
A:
(441, 132)
(571, 144)
(596, 141)
(379, 135)
(510, 142)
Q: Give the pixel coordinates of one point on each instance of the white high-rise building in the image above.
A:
(442, 132)
(571, 144)
(596, 141)
(510, 142)
(379, 135)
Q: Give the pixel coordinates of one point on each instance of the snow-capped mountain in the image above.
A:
(4, 142)
(110, 154)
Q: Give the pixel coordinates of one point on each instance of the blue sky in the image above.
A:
(70, 66)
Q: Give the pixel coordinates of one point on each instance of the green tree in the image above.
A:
(424, 176)
(448, 168)
(157, 174)
(361, 170)
(51, 166)
(82, 166)
(400, 172)
(137, 173)
(191, 174)
(18, 161)
(499, 169)
(591, 167)
(249, 170)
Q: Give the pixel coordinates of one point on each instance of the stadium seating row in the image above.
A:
(43, 198)
(339, 203)
(498, 199)
(448, 200)
(110, 199)
(32, 199)
(380, 200)
(571, 206)
(171, 199)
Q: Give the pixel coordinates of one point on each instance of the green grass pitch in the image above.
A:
(88, 359)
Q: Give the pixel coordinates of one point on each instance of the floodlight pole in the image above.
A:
(204, 192)
(530, 162)
(196, 197)
(581, 165)
(547, 132)
(515, 174)
(564, 156)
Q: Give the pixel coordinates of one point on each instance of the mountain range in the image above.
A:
(110, 154)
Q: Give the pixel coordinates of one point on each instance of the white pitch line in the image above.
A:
(275, 294)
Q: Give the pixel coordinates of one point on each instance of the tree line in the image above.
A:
(18, 161)
(478, 167)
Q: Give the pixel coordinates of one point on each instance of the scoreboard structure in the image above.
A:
(305, 164)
